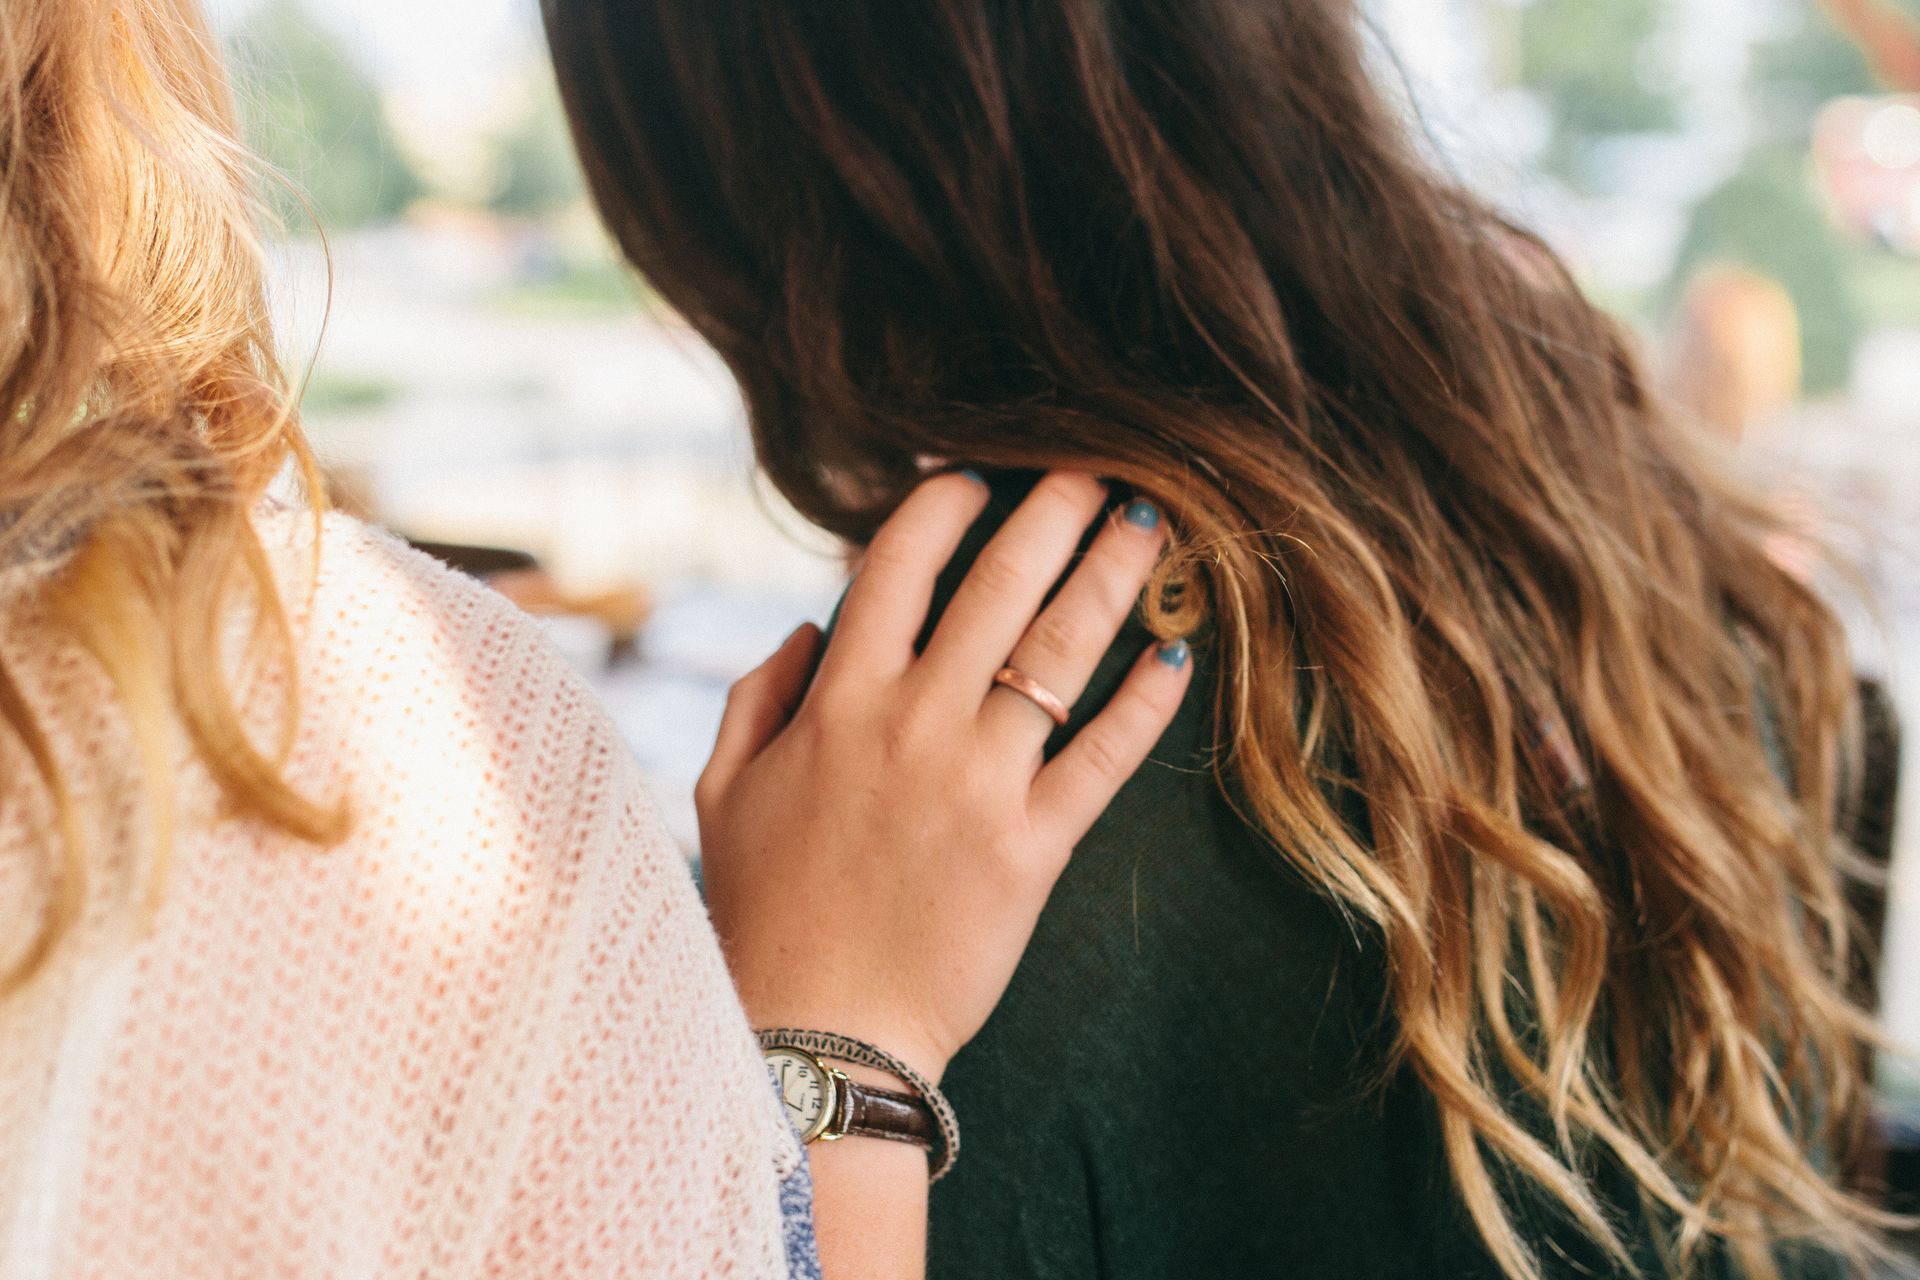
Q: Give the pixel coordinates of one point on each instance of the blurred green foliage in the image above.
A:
(1768, 216)
(584, 286)
(537, 172)
(316, 115)
(1888, 287)
(336, 393)
(1596, 66)
(1801, 70)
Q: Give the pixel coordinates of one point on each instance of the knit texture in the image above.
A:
(490, 1035)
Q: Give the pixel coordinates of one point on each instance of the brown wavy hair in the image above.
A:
(1456, 560)
(142, 419)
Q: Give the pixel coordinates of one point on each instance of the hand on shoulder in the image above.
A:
(881, 826)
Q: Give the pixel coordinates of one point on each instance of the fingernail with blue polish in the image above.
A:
(1142, 514)
(1175, 654)
(973, 475)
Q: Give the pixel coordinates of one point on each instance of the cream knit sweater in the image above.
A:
(490, 1035)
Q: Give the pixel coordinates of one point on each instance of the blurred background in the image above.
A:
(1739, 179)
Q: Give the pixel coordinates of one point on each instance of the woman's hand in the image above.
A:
(881, 836)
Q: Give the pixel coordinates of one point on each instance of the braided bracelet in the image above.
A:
(846, 1049)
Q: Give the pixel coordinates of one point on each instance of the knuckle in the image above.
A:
(1114, 584)
(1105, 756)
(889, 552)
(832, 700)
(998, 572)
(1072, 489)
(1058, 635)
(903, 736)
(807, 731)
(1006, 858)
(1157, 709)
(818, 718)
(1142, 708)
(1170, 694)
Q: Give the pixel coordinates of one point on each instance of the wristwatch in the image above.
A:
(825, 1106)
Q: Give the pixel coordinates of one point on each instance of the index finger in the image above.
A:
(892, 591)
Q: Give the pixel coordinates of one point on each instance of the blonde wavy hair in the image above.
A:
(143, 415)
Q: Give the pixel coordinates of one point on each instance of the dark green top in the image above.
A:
(1179, 1082)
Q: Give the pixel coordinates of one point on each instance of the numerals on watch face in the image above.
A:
(804, 1089)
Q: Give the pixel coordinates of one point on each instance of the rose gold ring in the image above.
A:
(1033, 691)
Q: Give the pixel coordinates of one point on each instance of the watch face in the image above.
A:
(804, 1090)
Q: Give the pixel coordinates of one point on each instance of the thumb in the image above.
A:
(758, 708)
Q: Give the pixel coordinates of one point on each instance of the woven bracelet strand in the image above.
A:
(846, 1049)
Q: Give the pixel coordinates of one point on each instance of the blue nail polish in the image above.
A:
(973, 475)
(1175, 654)
(1142, 514)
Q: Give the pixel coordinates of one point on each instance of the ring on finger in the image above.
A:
(1018, 681)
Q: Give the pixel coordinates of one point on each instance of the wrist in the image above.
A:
(912, 1048)
(872, 1077)
(827, 1102)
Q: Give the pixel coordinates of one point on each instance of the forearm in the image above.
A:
(870, 1209)
(870, 1193)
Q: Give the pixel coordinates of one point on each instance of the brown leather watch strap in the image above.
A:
(878, 1113)
(826, 1044)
